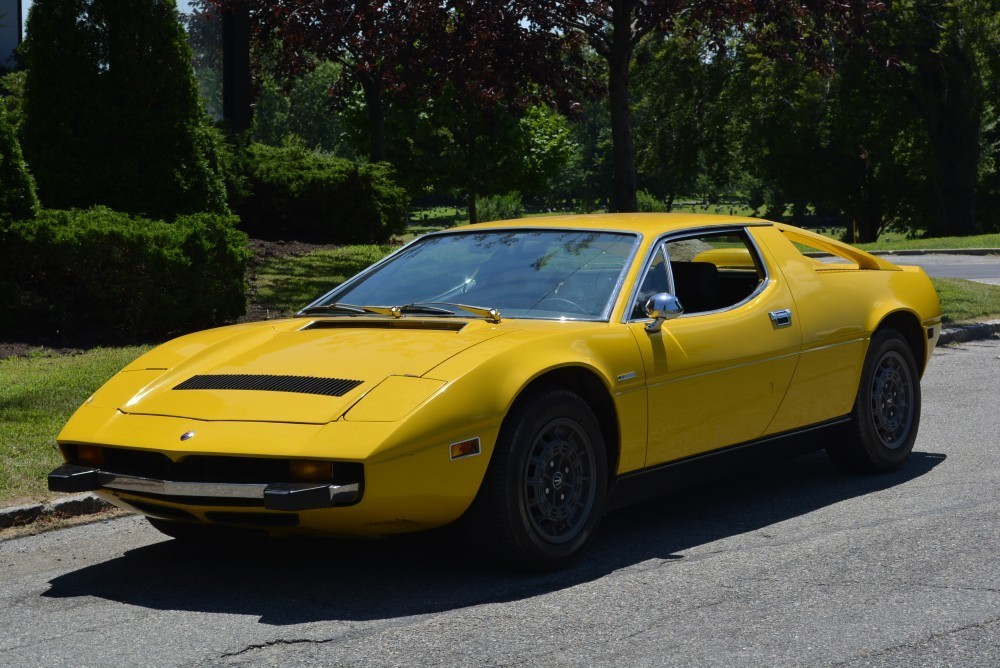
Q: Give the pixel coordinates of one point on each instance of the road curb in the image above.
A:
(937, 251)
(973, 332)
(66, 506)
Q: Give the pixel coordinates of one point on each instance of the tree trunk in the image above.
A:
(619, 58)
(471, 206)
(375, 104)
(951, 108)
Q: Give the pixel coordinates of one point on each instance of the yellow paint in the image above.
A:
(703, 382)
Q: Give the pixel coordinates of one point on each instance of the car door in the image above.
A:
(715, 375)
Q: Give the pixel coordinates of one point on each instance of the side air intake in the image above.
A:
(332, 387)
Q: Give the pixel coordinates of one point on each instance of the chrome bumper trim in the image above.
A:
(272, 496)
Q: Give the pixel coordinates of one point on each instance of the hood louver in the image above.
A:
(332, 387)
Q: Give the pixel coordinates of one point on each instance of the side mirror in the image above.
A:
(661, 307)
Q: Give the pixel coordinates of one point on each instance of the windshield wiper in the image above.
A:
(429, 308)
(491, 314)
(337, 307)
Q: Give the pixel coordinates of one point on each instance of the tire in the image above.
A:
(886, 412)
(546, 485)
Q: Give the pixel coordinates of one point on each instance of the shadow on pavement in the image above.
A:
(298, 581)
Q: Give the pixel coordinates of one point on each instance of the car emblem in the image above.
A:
(187, 435)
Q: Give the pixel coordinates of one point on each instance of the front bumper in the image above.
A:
(288, 496)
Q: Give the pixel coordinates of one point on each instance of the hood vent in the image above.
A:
(397, 323)
(332, 387)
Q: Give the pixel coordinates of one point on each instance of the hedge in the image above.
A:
(294, 193)
(98, 272)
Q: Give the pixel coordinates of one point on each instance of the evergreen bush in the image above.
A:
(499, 207)
(649, 203)
(123, 278)
(17, 188)
(295, 193)
(111, 110)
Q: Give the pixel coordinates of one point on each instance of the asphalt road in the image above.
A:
(982, 268)
(795, 565)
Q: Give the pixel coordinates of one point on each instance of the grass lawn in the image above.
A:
(896, 241)
(967, 301)
(37, 396)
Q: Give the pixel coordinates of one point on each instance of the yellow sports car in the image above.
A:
(523, 376)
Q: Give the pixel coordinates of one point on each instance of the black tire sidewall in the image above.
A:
(872, 453)
(532, 414)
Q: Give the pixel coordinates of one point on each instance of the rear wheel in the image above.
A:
(545, 488)
(886, 411)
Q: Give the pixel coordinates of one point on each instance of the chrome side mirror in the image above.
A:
(661, 307)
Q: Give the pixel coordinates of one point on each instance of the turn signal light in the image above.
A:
(465, 448)
(90, 455)
(308, 469)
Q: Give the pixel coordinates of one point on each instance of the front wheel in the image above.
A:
(886, 412)
(546, 485)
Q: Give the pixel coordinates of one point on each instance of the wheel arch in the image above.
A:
(908, 324)
(588, 386)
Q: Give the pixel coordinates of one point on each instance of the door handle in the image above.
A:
(781, 318)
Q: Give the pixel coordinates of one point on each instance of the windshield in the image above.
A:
(521, 273)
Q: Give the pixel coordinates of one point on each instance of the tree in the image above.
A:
(614, 28)
(680, 114)
(486, 85)
(112, 114)
(365, 37)
(948, 52)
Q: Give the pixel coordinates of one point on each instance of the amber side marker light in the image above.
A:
(306, 469)
(465, 448)
(91, 455)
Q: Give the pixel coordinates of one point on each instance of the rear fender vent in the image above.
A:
(398, 323)
(332, 387)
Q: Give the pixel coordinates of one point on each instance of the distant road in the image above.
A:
(982, 268)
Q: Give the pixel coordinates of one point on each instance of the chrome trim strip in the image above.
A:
(168, 488)
(303, 495)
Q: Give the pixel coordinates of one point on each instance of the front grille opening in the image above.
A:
(253, 519)
(210, 468)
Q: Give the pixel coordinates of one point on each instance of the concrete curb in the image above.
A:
(974, 332)
(67, 506)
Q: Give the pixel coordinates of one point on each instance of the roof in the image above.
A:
(648, 223)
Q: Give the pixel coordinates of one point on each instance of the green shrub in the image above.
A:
(111, 113)
(648, 203)
(499, 207)
(295, 193)
(17, 188)
(102, 273)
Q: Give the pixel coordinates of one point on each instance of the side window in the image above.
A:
(714, 271)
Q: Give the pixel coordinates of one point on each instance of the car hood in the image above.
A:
(305, 371)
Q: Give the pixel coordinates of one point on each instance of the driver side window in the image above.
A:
(712, 271)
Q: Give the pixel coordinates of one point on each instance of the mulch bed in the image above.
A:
(68, 344)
